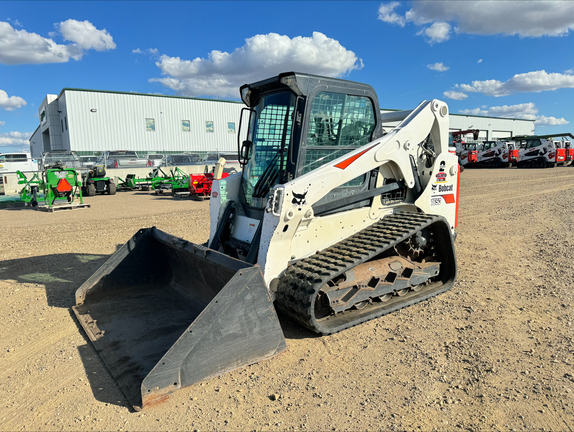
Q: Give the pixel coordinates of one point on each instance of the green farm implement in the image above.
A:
(159, 181)
(56, 186)
(154, 178)
(176, 184)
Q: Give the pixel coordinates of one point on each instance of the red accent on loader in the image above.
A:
(349, 161)
(457, 195)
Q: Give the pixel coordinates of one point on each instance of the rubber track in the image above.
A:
(301, 282)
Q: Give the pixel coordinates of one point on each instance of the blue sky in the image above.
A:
(497, 58)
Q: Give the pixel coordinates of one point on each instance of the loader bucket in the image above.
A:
(164, 313)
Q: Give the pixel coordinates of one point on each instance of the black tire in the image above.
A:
(111, 188)
(91, 190)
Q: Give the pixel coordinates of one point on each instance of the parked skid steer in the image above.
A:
(330, 221)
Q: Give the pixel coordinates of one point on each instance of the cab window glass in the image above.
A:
(338, 124)
(16, 158)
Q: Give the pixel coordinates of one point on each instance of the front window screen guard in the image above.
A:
(338, 124)
(270, 133)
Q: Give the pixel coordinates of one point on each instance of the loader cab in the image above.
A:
(297, 123)
(532, 143)
(488, 145)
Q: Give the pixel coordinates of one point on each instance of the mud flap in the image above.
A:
(164, 313)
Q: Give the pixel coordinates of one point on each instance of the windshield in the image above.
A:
(532, 143)
(270, 132)
(116, 155)
(64, 157)
(182, 159)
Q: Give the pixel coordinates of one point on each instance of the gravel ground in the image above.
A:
(493, 353)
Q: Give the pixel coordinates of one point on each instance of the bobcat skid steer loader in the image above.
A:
(541, 151)
(331, 221)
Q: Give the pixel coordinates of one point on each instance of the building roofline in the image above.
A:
(239, 102)
(471, 115)
(145, 94)
(33, 133)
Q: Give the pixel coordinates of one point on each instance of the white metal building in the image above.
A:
(89, 121)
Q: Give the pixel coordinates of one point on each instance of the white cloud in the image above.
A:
(152, 51)
(526, 111)
(15, 22)
(15, 138)
(438, 67)
(455, 95)
(438, 32)
(537, 81)
(479, 61)
(262, 56)
(387, 14)
(86, 35)
(533, 18)
(2, 123)
(569, 71)
(21, 47)
(550, 121)
(10, 103)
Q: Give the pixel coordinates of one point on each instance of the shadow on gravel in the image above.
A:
(103, 386)
(61, 274)
(294, 330)
(17, 207)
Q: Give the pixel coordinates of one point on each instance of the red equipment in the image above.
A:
(200, 184)
(457, 135)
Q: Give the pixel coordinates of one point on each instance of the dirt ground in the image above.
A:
(493, 353)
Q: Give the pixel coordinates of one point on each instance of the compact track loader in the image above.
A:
(541, 151)
(331, 221)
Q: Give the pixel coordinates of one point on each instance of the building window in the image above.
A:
(185, 126)
(231, 128)
(66, 122)
(208, 126)
(149, 125)
(62, 121)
